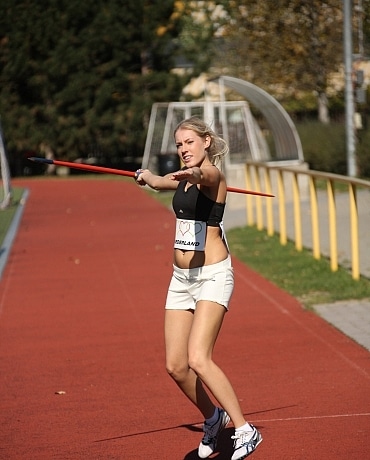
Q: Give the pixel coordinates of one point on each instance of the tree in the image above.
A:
(290, 50)
(80, 77)
(362, 27)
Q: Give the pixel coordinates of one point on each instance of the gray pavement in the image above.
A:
(352, 317)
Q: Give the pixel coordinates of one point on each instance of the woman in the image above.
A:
(201, 284)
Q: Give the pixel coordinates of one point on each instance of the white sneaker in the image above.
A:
(245, 442)
(211, 432)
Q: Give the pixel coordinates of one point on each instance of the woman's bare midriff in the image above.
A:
(215, 251)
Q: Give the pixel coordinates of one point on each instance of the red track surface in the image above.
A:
(81, 305)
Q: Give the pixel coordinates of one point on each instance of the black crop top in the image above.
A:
(192, 204)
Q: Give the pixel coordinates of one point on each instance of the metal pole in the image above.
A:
(350, 128)
(5, 174)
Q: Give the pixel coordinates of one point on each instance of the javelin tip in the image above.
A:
(40, 160)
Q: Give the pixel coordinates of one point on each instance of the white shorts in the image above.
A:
(212, 282)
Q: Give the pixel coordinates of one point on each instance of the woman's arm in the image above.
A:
(209, 176)
(145, 177)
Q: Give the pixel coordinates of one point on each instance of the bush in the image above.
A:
(325, 149)
(363, 149)
(324, 146)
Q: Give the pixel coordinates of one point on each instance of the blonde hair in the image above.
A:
(218, 147)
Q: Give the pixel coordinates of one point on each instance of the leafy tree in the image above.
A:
(289, 49)
(79, 78)
(201, 23)
(362, 10)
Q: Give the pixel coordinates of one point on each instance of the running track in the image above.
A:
(81, 313)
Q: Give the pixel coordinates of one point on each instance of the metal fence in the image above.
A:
(328, 213)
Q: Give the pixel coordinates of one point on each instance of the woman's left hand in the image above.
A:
(191, 174)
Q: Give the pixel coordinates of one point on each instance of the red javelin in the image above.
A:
(121, 172)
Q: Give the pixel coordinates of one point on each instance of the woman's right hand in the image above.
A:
(145, 177)
(139, 176)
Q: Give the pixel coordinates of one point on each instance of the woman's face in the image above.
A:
(191, 148)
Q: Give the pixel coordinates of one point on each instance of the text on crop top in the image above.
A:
(194, 213)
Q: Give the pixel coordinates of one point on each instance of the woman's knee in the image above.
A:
(198, 363)
(178, 371)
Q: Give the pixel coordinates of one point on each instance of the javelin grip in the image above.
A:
(121, 172)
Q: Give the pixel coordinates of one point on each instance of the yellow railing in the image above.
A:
(303, 186)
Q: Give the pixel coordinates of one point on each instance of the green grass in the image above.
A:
(164, 197)
(6, 215)
(311, 281)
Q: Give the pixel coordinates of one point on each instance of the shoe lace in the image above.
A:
(210, 432)
(241, 438)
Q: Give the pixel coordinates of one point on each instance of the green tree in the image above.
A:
(290, 49)
(362, 10)
(80, 78)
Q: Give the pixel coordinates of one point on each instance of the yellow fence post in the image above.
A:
(314, 219)
(269, 204)
(354, 232)
(332, 226)
(282, 211)
(297, 214)
(258, 200)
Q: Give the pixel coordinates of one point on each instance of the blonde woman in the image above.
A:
(201, 286)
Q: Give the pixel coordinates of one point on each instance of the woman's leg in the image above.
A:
(178, 325)
(204, 330)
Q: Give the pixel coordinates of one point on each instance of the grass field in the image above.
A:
(6, 215)
(309, 280)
